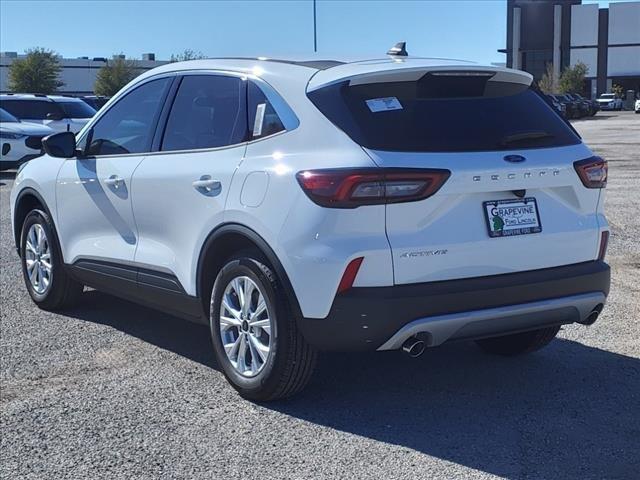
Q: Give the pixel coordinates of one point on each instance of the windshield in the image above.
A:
(6, 117)
(77, 109)
(444, 113)
(607, 95)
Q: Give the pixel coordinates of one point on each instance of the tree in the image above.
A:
(618, 90)
(114, 75)
(572, 78)
(37, 72)
(187, 54)
(549, 81)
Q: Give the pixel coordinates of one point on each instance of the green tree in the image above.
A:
(37, 72)
(618, 90)
(114, 75)
(549, 81)
(572, 78)
(187, 54)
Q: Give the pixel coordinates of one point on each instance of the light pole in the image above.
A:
(315, 36)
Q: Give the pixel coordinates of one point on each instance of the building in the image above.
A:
(78, 74)
(564, 32)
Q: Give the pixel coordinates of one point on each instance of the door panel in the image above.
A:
(95, 219)
(180, 192)
(173, 215)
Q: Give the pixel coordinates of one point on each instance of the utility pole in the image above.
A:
(315, 36)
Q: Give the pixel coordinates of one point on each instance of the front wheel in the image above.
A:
(519, 343)
(48, 284)
(255, 336)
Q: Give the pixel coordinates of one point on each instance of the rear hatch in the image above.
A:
(513, 201)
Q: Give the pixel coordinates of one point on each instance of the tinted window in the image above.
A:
(128, 126)
(208, 112)
(6, 117)
(263, 119)
(30, 109)
(444, 113)
(76, 109)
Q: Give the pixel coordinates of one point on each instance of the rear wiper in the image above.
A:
(519, 137)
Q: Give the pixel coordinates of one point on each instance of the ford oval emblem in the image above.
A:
(514, 158)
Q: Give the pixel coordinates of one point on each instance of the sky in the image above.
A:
(467, 29)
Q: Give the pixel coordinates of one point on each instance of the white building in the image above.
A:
(564, 32)
(78, 74)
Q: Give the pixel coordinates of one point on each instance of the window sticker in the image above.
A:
(257, 123)
(384, 104)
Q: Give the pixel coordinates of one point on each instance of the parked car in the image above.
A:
(20, 141)
(637, 106)
(586, 109)
(95, 101)
(610, 101)
(56, 112)
(575, 108)
(303, 206)
(593, 104)
(560, 107)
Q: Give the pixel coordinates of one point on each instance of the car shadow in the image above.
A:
(568, 411)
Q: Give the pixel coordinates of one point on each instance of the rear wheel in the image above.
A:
(255, 336)
(519, 343)
(48, 284)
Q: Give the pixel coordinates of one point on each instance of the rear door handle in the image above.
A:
(114, 181)
(206, 184)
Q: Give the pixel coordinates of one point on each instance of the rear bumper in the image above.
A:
(382, 317)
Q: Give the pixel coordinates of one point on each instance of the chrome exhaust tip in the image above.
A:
(593, 316)
(413, 347)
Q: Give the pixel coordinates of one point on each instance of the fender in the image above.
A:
(16, 228)
(266, 250)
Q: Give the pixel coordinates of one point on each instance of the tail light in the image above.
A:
(604, 241)
(593, 172)
(351, 188)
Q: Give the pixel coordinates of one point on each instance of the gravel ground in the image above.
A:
(113, 390)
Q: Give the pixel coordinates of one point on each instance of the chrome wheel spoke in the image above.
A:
(245, 326)
(264, 324)
(258, 349)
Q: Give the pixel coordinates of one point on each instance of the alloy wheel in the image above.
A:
(245, 326)
(38, 259)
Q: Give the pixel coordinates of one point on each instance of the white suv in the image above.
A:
(19, 141)
(62, 114)
(293, 207)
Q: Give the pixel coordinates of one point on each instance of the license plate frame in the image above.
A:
(523, 222)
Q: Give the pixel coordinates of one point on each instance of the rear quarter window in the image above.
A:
(442, 113)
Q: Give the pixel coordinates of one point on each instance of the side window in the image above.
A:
(208, 112)
(263, 119)
(128, 126)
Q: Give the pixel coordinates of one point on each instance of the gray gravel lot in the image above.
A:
(113, 390)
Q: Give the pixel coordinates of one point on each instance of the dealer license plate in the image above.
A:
(506, 218)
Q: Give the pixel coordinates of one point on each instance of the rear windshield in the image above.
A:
(77, 109)
(444, 113)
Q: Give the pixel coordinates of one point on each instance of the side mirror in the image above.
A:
(61, 145)
(54, 116)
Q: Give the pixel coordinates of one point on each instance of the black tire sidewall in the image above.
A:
(40, 217)
(267, 379)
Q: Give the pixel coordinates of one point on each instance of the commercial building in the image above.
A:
(564, 32)
(78, 74)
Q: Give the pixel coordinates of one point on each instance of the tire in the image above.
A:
(290, 359)
(518, 343)
(55, 290)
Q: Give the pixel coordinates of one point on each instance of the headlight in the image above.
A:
(11, 135)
